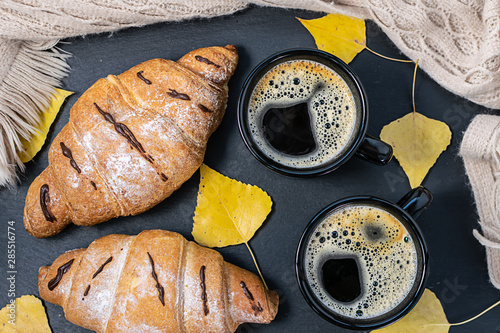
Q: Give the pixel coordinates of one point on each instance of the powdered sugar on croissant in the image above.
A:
(131, 141)
(156, 281)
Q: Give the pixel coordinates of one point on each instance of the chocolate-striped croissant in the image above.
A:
(156, 281)
(131, 141)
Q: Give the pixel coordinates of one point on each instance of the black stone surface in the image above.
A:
(458, 270)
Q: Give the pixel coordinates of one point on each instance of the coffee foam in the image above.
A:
(383, 249)
(331, 107)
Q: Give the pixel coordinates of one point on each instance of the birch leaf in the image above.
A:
(427, 316)
(340, 35)
(417, 142)
(33, 146)
(228, 212)
(26, 315)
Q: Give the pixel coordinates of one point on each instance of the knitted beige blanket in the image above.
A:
(480, 151)
(457, 42)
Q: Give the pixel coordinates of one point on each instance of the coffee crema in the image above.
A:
(302, 114)
(361, 262)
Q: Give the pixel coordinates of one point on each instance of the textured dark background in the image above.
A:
(458, 271)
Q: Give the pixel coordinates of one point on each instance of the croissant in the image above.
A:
(131, 141)
(156, 281)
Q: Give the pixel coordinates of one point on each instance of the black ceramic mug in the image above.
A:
(361, 262)
(304, 112)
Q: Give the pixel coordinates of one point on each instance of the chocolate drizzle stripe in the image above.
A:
(67, 153)
(124, 131)
(161, 291)
(174, 94)
(206, 61)
(204, 108)
(139, 75)
(257, 308)
(163, 177)
(203, 290)
(99, 270)
(93, 184)
(87, 291)
(44, 199)
(247, 292)
(60, 272)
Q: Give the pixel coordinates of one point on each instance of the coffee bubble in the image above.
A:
(302, 114)
(368, 268)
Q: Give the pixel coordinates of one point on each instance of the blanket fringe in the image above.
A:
(25, 93)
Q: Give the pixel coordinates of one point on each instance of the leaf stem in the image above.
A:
(413, 88)
(477, 316)
(256, 265)
(383, 56)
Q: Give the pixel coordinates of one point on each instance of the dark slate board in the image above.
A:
(458, 271)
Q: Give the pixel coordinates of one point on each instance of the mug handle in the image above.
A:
(374, 150)
(416, 201)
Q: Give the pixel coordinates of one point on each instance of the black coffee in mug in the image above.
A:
(302, 114)
(361, 261)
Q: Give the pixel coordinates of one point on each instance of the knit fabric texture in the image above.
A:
(480, 151)
(456, 41)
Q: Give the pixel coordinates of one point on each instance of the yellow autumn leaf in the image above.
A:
(427, 316)
(33, 146)
(417, 142)
(25, 315)
(228, 212)
(340, 35)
